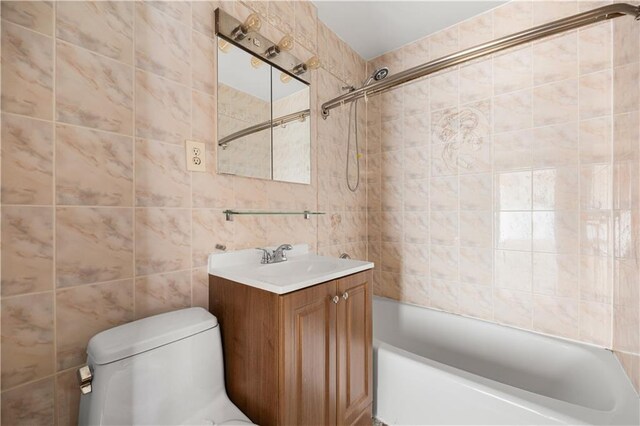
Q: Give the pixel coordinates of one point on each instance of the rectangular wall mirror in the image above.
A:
(264, 126)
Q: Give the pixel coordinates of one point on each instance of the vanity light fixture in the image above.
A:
(285, 44)
(252, 23)
(311, 64)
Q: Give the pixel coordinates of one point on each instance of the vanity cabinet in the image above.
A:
(301, 358)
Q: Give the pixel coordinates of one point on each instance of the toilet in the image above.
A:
(163, 370)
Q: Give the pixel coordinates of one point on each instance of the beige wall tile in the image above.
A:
(162, 240)
(93, 168)
(203, 62)
(162, 43)
(79, 72)
(555, 103)
(513, 308)
(554, 315)
(31, 404)
(555, 58)
(178, 10)
(67, 398)
(82, 312)
(475, 301)
(27, 338)
(27, 74)
(27, 166)
(35, 15)
(27, 250)
(93, 244)
(209, 229)
(162, 109)
(203, 126)
(200, 288)
(160, 293)
(102, 27)
(595, 95)
(161, 176)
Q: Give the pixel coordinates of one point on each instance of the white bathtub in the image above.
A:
(436, 368)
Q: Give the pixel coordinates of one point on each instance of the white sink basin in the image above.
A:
(302, 269)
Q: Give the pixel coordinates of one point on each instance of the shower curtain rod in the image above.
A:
(280, 121)
(561, 25)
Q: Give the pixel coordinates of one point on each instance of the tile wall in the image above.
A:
(101, 224)
(506, 189)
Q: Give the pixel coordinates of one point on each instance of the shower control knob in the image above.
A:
(335, 299)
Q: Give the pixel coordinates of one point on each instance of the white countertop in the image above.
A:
(301, 270)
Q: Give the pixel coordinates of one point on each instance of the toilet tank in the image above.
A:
(165, 369)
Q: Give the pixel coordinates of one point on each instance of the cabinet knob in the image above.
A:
(345, 295)
(335, 299)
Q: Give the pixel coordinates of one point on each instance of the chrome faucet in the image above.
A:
(276, 256)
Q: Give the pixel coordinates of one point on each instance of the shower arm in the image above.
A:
(555, 27)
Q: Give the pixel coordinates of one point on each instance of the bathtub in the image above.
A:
(431, 367)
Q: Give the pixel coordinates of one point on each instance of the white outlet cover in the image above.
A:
(196, 154)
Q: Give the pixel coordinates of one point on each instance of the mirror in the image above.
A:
(263, 119)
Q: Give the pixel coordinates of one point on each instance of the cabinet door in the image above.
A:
(308, 361)
(354, 340)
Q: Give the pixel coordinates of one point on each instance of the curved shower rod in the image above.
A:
(555, 27)
(280, 121)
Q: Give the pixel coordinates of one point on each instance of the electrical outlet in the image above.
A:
(196, 154)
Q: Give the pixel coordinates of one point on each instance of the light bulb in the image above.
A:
(286, 43)
(224, 46)
(285, 78)
(252, 23)
(313, 63)
(256, 62)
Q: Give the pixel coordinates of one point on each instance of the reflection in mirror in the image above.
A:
(291, 139)
(244, 101)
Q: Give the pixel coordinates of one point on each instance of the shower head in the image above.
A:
(377, 75)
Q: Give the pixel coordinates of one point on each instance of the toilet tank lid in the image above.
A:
(148, 333)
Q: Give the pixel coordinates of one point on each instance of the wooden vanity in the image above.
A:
(300, 358)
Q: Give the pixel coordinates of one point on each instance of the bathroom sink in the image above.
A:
(301, 270)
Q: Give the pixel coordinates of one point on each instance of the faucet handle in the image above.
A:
(267, 255)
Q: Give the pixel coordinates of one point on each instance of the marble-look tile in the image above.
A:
(416, 227)
(555, 58)
(513, 270)
(557, 316)
(82, 312)
(513, 111)
(444, 261)
(513, 150)
(104, 27)
(415, 290)
(27, 338)
(476, 30)
(415, 259)
(511, 17)
(392, 259)
(556, 145)
(444, 193)
(444, 42)
(626, 132)
(625, 42)
(556, 274)
(35, 15)
(415, 131)
(556, 231)
(27, 72)
(160, 293)
(444, 228)
(391, 227)
(162, 44)
(203, 63)
(212, 190)
(512, 70)
(513, 308)
(306, 27)
(443, 295)
(444, 90)
(475, 192)
(513, 191)
(626, 96)
(595, 323)
(202, 13)
(631, 365)
(203, 123)
(595, 279)
(161, 177)
(476, 266)
(93, 245)
(209, 228)
(550, 10)
(93, 168)
(27, 249)
(281, 15)
(28, 405)
(163, 109)
(200, 288)
(476, 81)
(555, 103)
(475, 301)
(27, 166)
(163, 240)
(595, 187)
(79, 72)
(625, 328)
(178, 10)
(595, 140)
(415, 53)
(67, 398)
(476, 228)
(555, 189)
(595, 95)
(513, 230)
(595, 47)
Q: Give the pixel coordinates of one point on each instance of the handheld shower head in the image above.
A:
(377, 75)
